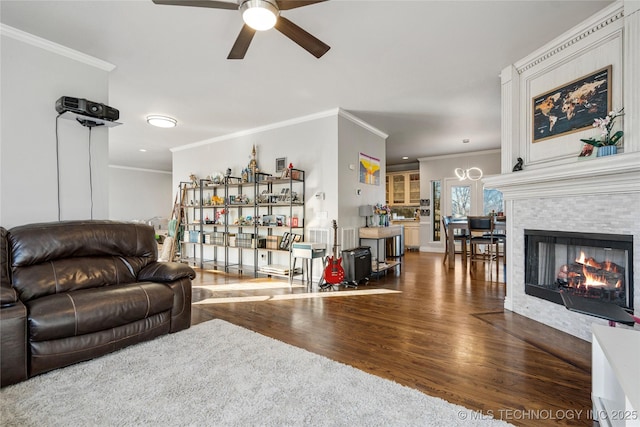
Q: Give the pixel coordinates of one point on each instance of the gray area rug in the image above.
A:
(219, 374)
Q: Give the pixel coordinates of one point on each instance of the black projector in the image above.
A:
(86, 108)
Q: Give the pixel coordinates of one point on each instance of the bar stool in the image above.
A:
(462, 238)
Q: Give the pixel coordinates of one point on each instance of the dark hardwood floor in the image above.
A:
(445, 334)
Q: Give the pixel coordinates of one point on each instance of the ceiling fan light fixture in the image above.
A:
(260, 15)
(162, 121)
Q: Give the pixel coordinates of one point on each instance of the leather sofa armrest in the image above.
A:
(8, 296)
(13, 344)
(166, 272)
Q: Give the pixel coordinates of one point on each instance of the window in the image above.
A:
(435, 195)
(492, 201)
(460, 201)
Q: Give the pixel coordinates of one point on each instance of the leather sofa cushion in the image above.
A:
(91, 310)
(48, 355)
(72, 274)
(38, 243)
(57, 257)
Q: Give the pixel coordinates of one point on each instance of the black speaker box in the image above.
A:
(86, 108)
(357, 264)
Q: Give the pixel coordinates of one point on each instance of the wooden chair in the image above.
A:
(502, 243)
(481, 236)
(462, 238)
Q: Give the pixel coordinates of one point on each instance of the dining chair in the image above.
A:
(501, 235)
(462, 238)
(483, 244)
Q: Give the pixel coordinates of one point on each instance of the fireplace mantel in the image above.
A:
(603, 175)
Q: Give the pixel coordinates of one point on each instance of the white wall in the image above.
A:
(355, 139)
(32, 79)
(139, 194)
(438, 168)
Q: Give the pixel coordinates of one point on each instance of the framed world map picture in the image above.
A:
(573, 106)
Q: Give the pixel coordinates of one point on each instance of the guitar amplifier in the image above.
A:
(357, 264)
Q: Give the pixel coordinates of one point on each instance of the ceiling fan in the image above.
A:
(261, 15)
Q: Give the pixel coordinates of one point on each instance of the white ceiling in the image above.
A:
(424, 72)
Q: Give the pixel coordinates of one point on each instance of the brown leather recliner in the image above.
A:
(75, 290)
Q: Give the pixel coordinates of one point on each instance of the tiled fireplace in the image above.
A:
(583, 199)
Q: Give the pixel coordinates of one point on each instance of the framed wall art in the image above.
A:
(369, 169)
(571, 107)
(281, 164)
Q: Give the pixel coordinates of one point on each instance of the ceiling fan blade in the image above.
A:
(292, 4)
(199, 3)
(308, 42)
(241, 45)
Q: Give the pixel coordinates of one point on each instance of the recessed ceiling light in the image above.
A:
(142, 150)
(162, 121)
(405, 158)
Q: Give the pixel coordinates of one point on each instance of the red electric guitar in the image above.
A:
(333, 272)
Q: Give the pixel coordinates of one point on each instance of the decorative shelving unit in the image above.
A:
(228, 223)
(188, 249)
(281, 201)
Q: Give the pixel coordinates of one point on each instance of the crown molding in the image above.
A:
(597, 22)
(458, 155)
(285, 123)
(129, 168)
(56, 48)
(347, 115)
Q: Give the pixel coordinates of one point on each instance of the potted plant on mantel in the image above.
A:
(607, 143)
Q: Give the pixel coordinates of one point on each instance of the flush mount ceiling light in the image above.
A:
(472, 174)
(259, 14)
(161, 121)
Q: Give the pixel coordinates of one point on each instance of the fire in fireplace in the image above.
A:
(592, 279)
(596, 266)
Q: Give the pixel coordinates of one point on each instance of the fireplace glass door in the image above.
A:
(595, 266)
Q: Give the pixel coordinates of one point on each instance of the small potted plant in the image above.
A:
(606, 143)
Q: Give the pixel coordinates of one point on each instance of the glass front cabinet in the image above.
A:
(403, 188)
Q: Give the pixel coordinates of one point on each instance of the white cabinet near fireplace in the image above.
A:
(615, 377)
